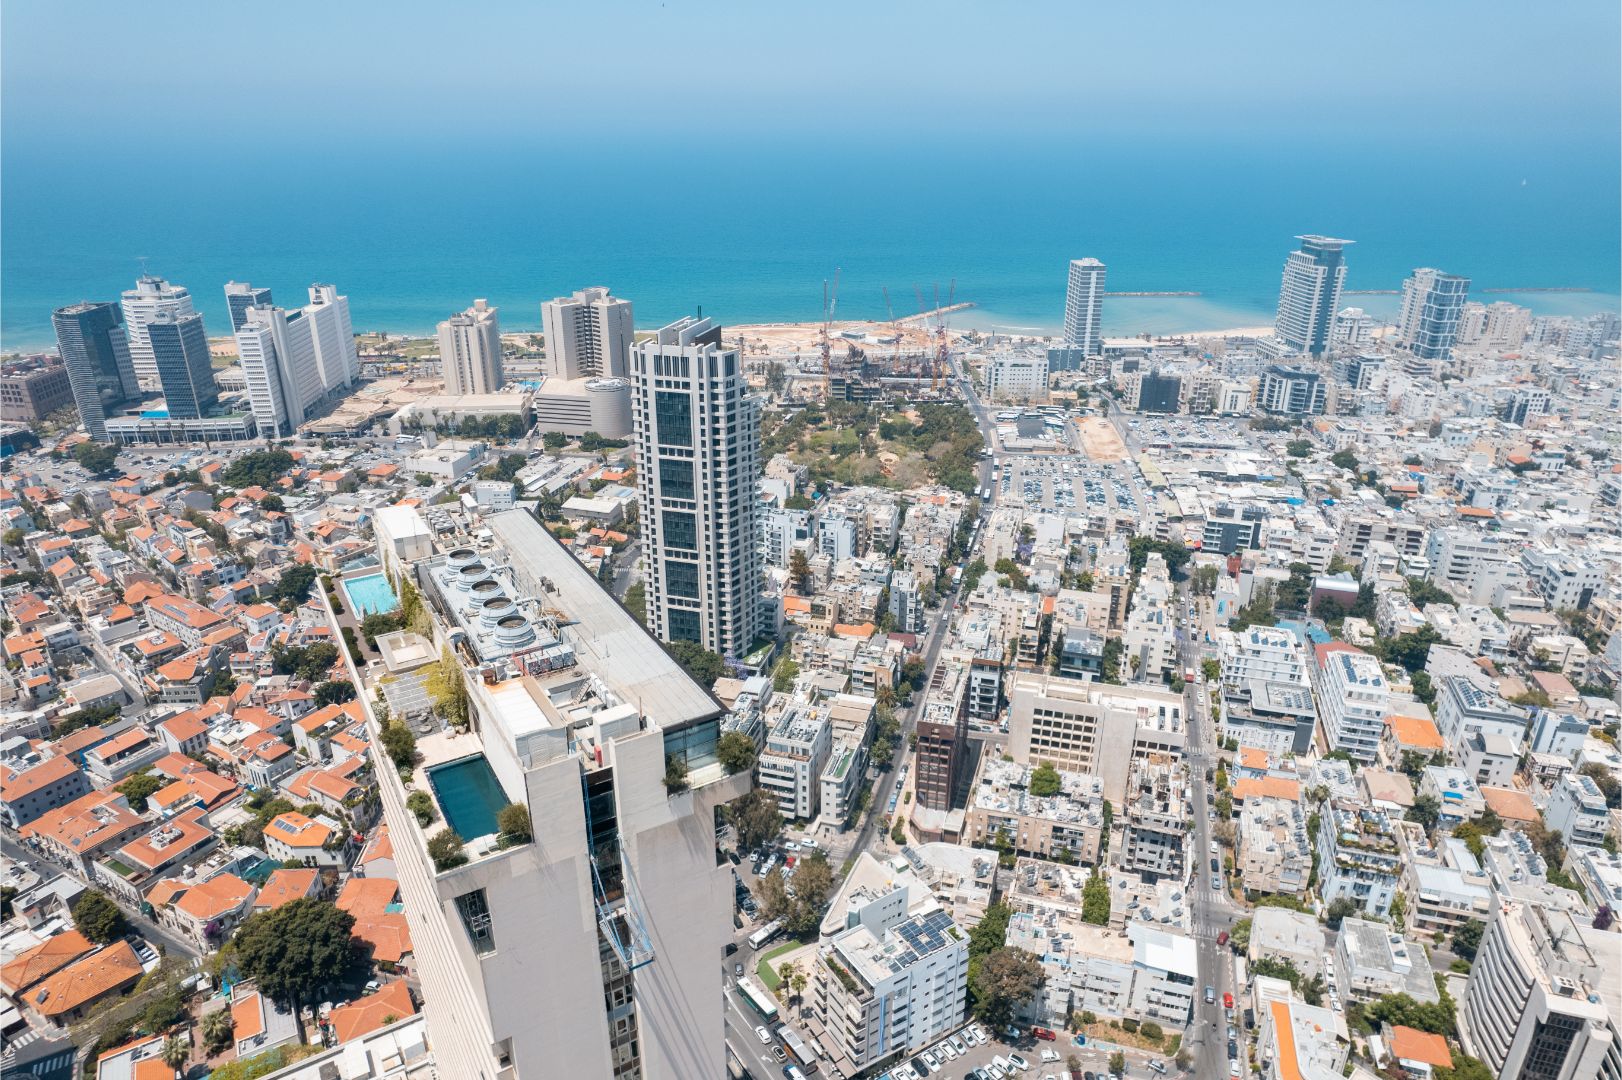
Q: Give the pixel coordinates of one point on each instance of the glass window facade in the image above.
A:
(673, 413)
(675, 478)
(680, 529)
(681, 578)
(684, 625)
(695, 745)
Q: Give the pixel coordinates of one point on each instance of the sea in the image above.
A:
(413, 233)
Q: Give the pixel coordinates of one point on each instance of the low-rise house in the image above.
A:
(1373, 959)
(133, 869)
(68, 995)
(206, 912)
(284, 886)
(259, 1024)
(34, 965)
(28, 791)
(86, 829)
(293, 836)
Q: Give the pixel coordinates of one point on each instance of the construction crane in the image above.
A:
(830, 300)
(895, 326)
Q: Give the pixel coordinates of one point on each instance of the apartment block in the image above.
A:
(1091, 727)
(1273, 852)
(1358, 857)
(1154, 819)
(799, 741)
(1577, 811)
(1353, 699)
(1002, 809)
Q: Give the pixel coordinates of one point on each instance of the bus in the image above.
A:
(798, 1052)
(759, 999)
(760, 937)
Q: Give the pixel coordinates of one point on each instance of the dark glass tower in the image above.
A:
(90, 338)
(180, 348)
(239, 297)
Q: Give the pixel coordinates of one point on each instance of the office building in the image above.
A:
(697, 438)
(1432, 305)
(1084, 306)
(1543, 998)
(239, 297)
(1001, 811)
(892, 971)
(31, 390)
(575, 406)
(1309, 296)
(150, 297)
(470, 350)
(1092, 727)
(1160, 393)
(588, 334)
(590, 950)
(1353, 698)
(1231, 528)
(1017, 376)
(942, 753)
(179, 347)
(90, 339)
(291, 360)
(1292, 391)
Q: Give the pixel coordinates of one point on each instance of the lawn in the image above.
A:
(764, 969)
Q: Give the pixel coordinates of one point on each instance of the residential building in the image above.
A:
(1464, 708)
(1002, 811)
(1432, 304)
(1231, 528)
(28, 790)
(1090, 727)
(697, 437)
(91, 340)
(1353, 699)
(239, 297)
(1273, 851)
(1577, 811)
(1292, 391)
(1154, 819)
(31, 390)
(470, 350)
(1266, 693)
(1542, 1000)
(1358, 857)
(1445, 886)
(891, 975)
(185, 369)
(941, 754)
(1353, 329)
(1309, 295)
(292, 360)
(588, 334)
(1296, 936)
(579, 719)
(799, 741)
(151, 297)
(1373, 959)
(1017, 376)
(1149, 652)
(1084, 306)
(1297, 1041)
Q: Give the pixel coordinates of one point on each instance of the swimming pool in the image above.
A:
(469, 795)
(370, 595)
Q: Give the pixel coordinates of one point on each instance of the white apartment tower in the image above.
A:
(293, 359)
(1084, 306)
(590, 947)
(587, 334)
(1353, 700)
(141, 305)
(470, 350)
(1309, 295)
(697, 433)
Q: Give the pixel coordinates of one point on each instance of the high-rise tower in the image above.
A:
(185, 370)
(1084, 306)
(90, 338)
(293, 359)
(470, 350)
(697, 433)
(1432, 306)
(150, 297)
(587, 334)
(1310, 293)
(239, 297)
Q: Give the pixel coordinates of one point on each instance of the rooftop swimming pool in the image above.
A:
(469, 795)
(370, 595)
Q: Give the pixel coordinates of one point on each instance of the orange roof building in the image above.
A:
(1419, 1047)
(372, 1012)
(68, 994)
(43, 960)
(1271, 787)
(284, 886)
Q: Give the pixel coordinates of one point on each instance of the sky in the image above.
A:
(717, 76)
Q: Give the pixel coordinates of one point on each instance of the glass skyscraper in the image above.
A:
(239, 297)
(90, 338)
(180, 351)
(1309, 296)
(1432, 306)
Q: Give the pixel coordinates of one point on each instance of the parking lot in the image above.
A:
(1027, 1058)
(1067, 483)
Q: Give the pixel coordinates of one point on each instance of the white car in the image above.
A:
(947, 1049)
(931, 1061)
(1001, 1062)
(960, 1046)
(979, 1033)
(1233, 1068)
(763, 1035)
(1018, 1062)
(1049, 1055)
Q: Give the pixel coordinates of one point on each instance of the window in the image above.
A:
(475, 913)
(684, 625)
(696, 744)
(680, 530)
(675, 478)
(681, 578)
(674, 412)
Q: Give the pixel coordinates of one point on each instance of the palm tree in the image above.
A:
(787, 973)
(176, 1051)
(798, 981)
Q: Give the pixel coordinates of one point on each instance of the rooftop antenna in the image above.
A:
(142, 260)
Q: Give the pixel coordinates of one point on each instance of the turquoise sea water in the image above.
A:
(415, 234)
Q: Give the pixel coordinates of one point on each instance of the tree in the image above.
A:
(784, 674)
(1211, 669)
(399, 743)
(1607, 783)
(973, 573)
(176, 1051)
(293, 588)
(98, 918)
(1239, 936)
(1338, 910)
(1435, 1017)
(675, 774)
(1465, 1067)
(1184, 1059)
(799, 571)
(736, 752)
(95, 458)
(554, 440)
(1467, 938)
(1009, 569)
(636, 601)
(138, 787)
(272, 503)
(756, 818)
(1344, 459)
(421, 804)
(1298, 448)
(447, 689)
(797, 982)
(813, 882)
(1045, 782)
(1004, 982)
(217, 1031)
(333, 692)
(1427, 811)
(1409, 651)
(1117, 1063)
(446, 849)
(12, 537)
(1095, 900)
(513, 822)
(296, 951)
(703, 665)
(259, 468)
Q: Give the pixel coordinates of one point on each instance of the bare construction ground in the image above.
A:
(1099, 440)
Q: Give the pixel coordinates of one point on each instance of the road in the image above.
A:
(1212, 910)
(16, 850)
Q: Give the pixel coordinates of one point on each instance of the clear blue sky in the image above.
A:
(1363, 75)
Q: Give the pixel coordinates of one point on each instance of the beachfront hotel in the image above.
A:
(1084, 306)
(293, 359)
(470, 350)
(1309, 296)
(150, 297)
(588, 334)
(590, 947)
(697, 437)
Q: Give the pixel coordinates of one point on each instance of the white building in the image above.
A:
(892, 971)
(1090, 727)
(1084, 306)
(798, 744)
(1273, 849)
(1353, 700)
(1463, 709)
(470, 350)
(293, 359)
(588, 334)
(592, 950)
(1543, 997)
(1373, 960)
(1309, 295)
(780, 532)
(697, 435)
(1358, 857)
(141, 305)
(1577, 811)
(1017, 376)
